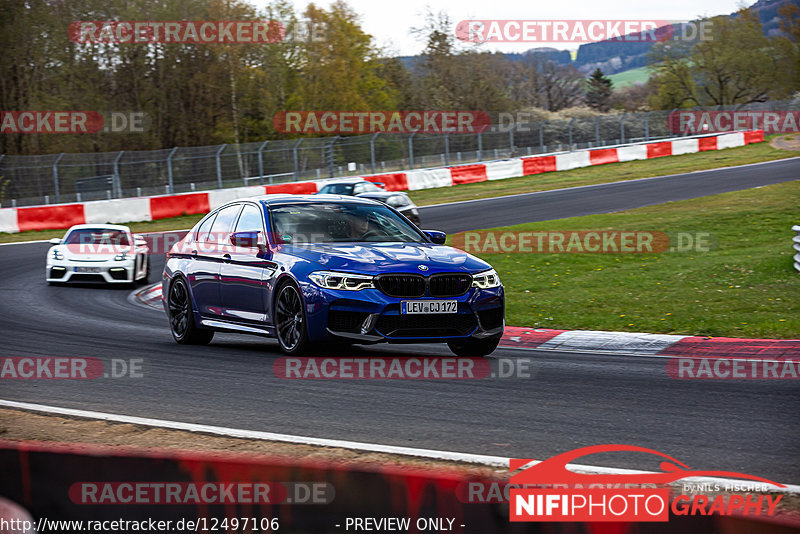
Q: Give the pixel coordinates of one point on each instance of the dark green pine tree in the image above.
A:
(598, 91)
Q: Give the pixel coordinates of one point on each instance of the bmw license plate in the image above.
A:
(408, 307)
(87, 269)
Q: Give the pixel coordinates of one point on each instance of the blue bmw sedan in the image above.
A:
(311, 269)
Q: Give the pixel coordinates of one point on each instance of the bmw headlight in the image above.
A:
(121, 257)
(486, 279)
(57, 255)
(346, 281)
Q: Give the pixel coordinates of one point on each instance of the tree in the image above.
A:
(598, 91)
(737, 65)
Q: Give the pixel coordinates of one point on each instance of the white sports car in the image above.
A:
(98, 253)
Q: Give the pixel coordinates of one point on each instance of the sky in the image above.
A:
(389, 21)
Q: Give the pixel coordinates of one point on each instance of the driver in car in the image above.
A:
(359, 225)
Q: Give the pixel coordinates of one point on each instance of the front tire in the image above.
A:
(290, 320)
(474, 347)
(181, 316)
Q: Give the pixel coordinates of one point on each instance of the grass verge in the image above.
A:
(601, 174)
(744, 287)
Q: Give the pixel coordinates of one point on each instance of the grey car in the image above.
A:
(362, 188)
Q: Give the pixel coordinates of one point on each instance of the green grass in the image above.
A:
(745, 287)
(630, 77)
(599, 174)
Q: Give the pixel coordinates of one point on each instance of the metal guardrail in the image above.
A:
(58, 178)
(796, 241)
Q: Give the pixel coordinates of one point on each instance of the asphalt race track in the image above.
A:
(570, 400)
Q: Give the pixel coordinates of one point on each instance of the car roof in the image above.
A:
(99, 227)
(287, 198)
(335, 181)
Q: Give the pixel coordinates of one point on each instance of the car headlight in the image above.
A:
(121, 257)
(486, 279)
(57, 255)
(346, 281)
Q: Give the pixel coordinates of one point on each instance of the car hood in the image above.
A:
(375, 258)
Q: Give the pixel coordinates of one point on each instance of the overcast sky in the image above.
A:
(389, 21)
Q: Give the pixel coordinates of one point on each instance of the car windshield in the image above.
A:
(97, 236)
(337, 189)
(330, 222)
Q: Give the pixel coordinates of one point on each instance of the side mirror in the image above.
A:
(55, 241)
(436, 236)
(380, 184)
(245, 239)
(139, 240)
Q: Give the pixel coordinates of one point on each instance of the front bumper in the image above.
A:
(369, 316)
(109, 271)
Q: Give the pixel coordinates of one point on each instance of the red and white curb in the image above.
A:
(641, 344)
(53, 217)
(596, 341)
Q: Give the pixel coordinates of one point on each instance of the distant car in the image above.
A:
(364, 189)
(107, 253)
(311, 269)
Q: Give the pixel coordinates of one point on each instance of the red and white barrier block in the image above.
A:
(59, 216)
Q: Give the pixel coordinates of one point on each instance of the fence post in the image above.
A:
(296, 159)
(55, 177)
(447, 148)
(647, 125)
(372, 149)
(541, 136)
(622, 128)
(169, 170)
(480, 145)
(329, 155)
(261, 163)
(117, 182)
(219, 166)
(597, 130)
(511, 141)
(411, 150)
(571, 121)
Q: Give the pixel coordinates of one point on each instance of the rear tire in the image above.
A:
(290, 320)
(181, 316)
(474, 347)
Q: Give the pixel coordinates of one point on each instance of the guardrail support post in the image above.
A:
(447, 148)
(55, 179)
(170, 189)
(541, 136)
(647, 125)
(597, 130)
(219, 166)
(411, 150)
(296, 160)
(572, 120)
(511, 141)
(480, 146)
(372, 149)
(261, 163)
(117, 183)
(622, 128)
(329, 156)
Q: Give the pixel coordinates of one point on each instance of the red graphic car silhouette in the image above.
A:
(554, 470)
